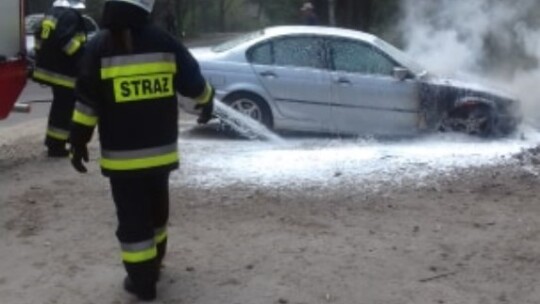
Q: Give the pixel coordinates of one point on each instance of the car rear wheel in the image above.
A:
(251, 105)
(476, 120)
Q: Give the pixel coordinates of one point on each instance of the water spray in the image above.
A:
(244, 124)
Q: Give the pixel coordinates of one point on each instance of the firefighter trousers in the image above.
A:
(142, 206)
(60, 118)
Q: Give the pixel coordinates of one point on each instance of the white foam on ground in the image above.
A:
(327, 162)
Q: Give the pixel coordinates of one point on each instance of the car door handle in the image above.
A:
(343, 81)
(268, 74)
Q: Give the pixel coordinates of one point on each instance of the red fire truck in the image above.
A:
(13, 67)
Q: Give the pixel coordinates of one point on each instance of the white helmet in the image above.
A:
(80, 5)
(308, 6)
(147, 5)
(76, 4)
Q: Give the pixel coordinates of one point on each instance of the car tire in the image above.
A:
(252, 105)
(476, 121)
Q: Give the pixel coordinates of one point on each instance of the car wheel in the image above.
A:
(251, 105)
(477, 121)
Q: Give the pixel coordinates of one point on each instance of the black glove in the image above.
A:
(207, 110)
(78, 154)
(206, 113)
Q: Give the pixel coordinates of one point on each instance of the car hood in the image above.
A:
(464, 85)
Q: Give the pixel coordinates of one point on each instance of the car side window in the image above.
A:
(354, 57)
(299, 52)
(261, 54)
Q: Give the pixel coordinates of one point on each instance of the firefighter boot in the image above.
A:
(143, 293)
(141, 280)
(56, 149)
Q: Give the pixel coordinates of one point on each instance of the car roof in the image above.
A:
(317, 30)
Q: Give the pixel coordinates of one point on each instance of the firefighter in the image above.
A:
(130, 74)
(59, 44)
(309, 17)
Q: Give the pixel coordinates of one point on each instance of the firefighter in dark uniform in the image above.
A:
(127, 86)
(59, 45)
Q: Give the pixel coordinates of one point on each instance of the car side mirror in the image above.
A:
(401, 73)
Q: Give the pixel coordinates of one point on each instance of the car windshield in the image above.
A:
(400, 56)
(230, 44)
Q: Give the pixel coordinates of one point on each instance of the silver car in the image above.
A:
(331, 80)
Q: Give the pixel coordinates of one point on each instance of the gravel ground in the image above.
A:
(465, 235)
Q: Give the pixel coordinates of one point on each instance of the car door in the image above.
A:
(367, 99)
(293, 71)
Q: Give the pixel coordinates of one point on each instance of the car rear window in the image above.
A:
(299, 52)
(230, 44)
(261, 54)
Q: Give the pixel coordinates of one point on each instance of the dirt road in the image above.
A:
(472, 236)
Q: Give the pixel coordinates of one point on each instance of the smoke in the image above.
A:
(489, 41)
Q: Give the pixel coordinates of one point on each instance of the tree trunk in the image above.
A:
(355, 14)
(222, 15)
(322, 10)
(364, 8)
(195, 15)
(178, 8)
(332, 12)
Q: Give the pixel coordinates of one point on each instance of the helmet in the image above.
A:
(147, 5)
(76, 4)
(307, 7)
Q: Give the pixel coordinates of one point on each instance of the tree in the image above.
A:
(354, 14)
(36, 6)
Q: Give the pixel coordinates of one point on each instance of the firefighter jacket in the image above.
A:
(60, 41)
(132, 98)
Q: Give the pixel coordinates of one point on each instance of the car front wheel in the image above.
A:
(477, 121)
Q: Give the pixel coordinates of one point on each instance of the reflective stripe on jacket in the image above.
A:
(140, 77)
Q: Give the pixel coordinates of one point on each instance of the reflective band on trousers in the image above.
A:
(160, 235)
(139, 252)
(139, 159)
(54, 78)
(204, 98)
(57, 133)
(84, 115)
(136, 65)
